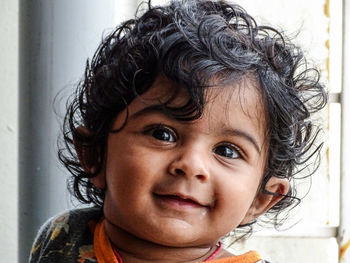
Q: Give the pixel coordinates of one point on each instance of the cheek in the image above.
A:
(235, 196)
(127, 186)
(132, 170)
(124, 177)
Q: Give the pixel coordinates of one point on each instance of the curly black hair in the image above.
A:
(190, 42)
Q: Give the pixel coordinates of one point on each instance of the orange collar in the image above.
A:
(249, 257)
(102, 245)
(104, 251)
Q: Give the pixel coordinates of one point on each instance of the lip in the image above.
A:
(179, 201)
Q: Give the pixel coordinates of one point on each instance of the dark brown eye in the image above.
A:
(161, 133)
(227, 151)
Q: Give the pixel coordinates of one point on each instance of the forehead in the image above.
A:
(220, 99)
(242, 96)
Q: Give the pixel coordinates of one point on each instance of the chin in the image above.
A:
(177, 238)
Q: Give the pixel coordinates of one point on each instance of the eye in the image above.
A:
(162, 133)
(228, 151)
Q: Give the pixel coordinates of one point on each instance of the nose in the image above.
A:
(191, 163)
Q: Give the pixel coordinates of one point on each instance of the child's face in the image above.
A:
(179, 183)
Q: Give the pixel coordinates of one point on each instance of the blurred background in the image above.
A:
(44, 45)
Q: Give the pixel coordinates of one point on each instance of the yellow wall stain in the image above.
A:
(327, 62)
(327, 14)
(343, 249)
(326, 8)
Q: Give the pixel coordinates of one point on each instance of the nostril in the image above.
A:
(179, 172)
(200, 177)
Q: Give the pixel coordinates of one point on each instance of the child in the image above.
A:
(190, 123)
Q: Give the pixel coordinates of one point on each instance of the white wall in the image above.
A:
(8, 128)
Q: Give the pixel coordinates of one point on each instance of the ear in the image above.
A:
(264, 201)
(87, 158)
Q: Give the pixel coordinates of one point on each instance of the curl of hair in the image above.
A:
(190, 42)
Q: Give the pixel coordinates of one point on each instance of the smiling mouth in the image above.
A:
(178, 201)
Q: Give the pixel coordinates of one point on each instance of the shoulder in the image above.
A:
(66, 236)
(70, 223)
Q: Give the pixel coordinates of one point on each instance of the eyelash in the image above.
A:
(151, 129)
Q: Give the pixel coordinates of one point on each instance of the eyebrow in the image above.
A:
(158, 108)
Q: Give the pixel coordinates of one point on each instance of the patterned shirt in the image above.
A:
(79, 236)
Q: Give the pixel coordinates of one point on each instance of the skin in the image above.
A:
(174, 189)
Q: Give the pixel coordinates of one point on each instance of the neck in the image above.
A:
(136, 250)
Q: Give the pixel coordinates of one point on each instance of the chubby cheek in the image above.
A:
(130, 176)
(122, 182)
(233, 199)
